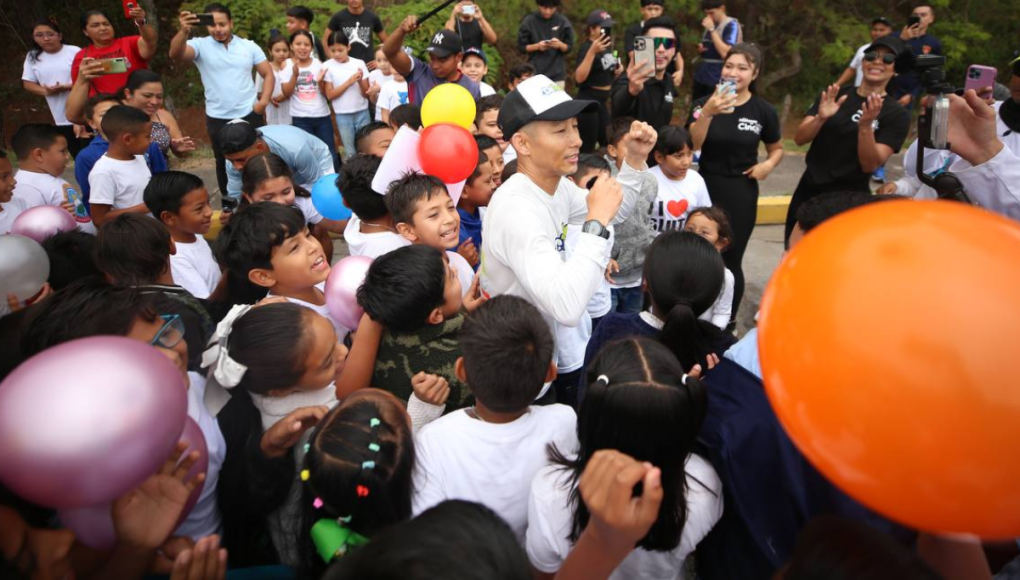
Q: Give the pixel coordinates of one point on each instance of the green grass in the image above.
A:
(790, 147)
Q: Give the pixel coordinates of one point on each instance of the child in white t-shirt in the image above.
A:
(10, 208)
(475, 66)
(117, 181)
(713, 224)
(181, 202)
(377, 79)
(370, 231)
(392, 95)
(681, 189)
(644, 406)
(42, 157)
(346, 84)
(308, 107)
(278, 112)
(490, 453)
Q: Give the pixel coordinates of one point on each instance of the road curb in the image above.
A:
(772, 209)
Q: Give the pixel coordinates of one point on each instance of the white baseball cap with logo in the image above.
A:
(538, 99)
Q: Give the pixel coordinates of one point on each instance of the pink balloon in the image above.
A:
(92, 525)
(342, 289)
(43, 221)
(196, 442)
(86, 421)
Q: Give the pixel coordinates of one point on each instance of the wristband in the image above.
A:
(142, 23)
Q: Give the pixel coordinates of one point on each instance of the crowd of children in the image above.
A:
(545, 380)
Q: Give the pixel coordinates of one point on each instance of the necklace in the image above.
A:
(379, 226)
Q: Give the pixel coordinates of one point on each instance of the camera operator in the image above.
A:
(852, 131)
(469, 23)
(908, 87)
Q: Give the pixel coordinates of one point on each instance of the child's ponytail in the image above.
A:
(684, 274)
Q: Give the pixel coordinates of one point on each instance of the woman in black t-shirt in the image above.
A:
(727, 127)
(594, 72)
(852, 131)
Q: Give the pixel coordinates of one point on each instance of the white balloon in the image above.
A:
(24, 267)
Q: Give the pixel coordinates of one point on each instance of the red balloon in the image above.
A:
(448, 152)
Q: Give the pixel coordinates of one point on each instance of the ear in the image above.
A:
(407, 231)
(520, 143)
(722, 244)
(173, 247)
(262, 277)
(550, 375)
(37, 154)
(458, 370)
(658, 157)
(611, 150)
(168, 218)
(436, 316)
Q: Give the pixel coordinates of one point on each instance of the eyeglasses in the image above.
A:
(44, 35)
(887, 58)
(170, 333)
(666, 43)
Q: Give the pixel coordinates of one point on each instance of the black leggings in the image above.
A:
(594, 125)
(739, 197)
(808, 189)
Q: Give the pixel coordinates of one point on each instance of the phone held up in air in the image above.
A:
(980, 77)
(206, 19)
(112, 66)
(129, 5)
(469, 9)
(644, 52)
(913, 21)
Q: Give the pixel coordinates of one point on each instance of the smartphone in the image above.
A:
(980, 77)
(206, 20)
(112, 66)
(129, 5)
(607, 32)
(913, 21)
(644, 52)
(727, 86)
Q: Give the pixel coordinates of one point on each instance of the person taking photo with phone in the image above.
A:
(645, 91)
(467, 21)
(224, 62)
(907, 88)
(595, 70)
(546, 36)
(121, 55)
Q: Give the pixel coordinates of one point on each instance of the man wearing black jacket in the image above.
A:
(545, 36)
(644, 94)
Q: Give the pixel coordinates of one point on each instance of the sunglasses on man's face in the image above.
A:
(887, 58)
(666, 43)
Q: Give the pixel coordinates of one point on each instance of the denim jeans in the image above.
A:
(322, 128)
(348, 124)
(627, 300)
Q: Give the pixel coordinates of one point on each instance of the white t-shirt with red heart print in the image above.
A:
(676, 199)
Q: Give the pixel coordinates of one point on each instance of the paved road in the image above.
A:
(762, 255)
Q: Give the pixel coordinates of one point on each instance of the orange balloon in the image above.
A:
(890, 348)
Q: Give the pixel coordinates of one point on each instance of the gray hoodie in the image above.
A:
(635, 235)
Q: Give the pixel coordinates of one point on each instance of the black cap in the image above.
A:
(601, 18)
(538, 99)
(444, 43)
(653, 3)
(904, 58)
(882, 20)
(236, 136)
(477, 52)
(1015, 63)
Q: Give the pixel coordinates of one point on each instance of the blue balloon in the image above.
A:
(327, 199)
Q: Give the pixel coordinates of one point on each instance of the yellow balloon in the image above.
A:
(448, 103)
(214, 229)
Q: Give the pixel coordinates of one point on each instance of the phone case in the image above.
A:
(644, 51)
(980, 77)
(128, 6)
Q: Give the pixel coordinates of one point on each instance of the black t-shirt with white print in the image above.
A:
(731, 146)
(833, 154)
(359, 29)
(602, 67)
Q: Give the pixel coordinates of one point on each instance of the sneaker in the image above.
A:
(879, 175)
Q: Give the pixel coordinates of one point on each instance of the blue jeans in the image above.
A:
(348, 124)
(627, 300)
(322, 128)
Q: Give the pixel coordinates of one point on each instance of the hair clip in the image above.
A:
(367, 464)
(374, 422)
(308, 446)
(305, 474)
(604, 379)
(362, 491)
(344, 519)
(374, 447)
(317, 503)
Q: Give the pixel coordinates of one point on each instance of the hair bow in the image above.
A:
(227, 371)
(332, 539)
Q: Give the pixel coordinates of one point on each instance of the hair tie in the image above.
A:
(333, 539)
(683, 379)
(367, 464)
(227, 372)
(374, 422)
(604, 379)
(317, 503)
(684, 303)
(374, 447)
(362, 491)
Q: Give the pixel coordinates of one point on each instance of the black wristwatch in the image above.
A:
(595, 227)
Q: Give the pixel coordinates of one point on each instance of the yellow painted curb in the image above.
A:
(772, 209)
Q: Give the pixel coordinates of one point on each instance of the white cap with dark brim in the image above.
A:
(538, 99)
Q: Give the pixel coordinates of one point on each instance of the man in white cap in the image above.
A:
(524, 229)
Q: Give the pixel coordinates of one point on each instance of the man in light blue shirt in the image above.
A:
(224, 61)
(306, 155)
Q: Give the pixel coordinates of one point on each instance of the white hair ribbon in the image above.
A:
(227, 371)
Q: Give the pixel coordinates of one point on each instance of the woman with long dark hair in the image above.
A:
(47, 73)
(727, 127)
(136, 50)
(640, 403)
